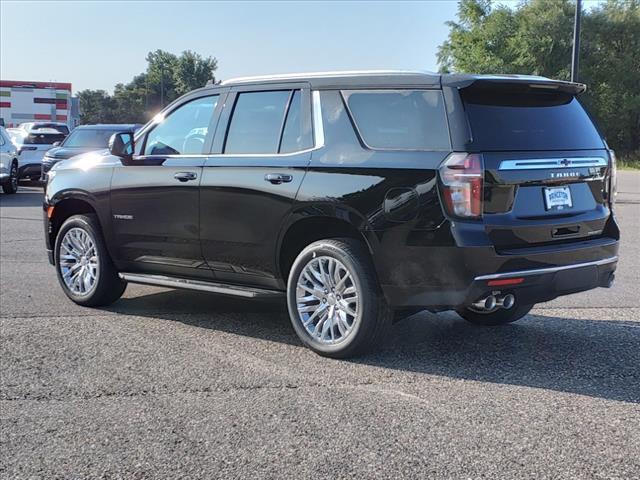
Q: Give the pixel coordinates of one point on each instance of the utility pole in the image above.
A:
(162, 86)
(575, 59)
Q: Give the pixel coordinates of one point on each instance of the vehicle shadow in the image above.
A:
(599, 358)
(26, 197)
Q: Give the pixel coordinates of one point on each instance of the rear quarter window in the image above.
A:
(399, 119)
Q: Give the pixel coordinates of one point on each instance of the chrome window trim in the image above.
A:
(546, 163)
(541, 271)
(316, 115)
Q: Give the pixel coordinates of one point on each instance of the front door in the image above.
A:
(155, 197)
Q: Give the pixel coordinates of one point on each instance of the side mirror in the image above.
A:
(121, 145)
(56, 144)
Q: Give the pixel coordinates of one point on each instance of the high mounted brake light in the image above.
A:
(461, 175)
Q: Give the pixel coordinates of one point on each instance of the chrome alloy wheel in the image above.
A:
(79, 264)
(327, 300)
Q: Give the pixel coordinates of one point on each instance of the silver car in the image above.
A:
(8, 163)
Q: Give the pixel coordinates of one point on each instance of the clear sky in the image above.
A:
(96, 44)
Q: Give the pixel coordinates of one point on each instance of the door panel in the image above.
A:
(241, 214)
(155, 217)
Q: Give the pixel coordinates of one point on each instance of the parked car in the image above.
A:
(8, 163)
(354, 195)
(82, 139)
(33, 139)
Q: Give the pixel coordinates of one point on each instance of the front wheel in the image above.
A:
(494, 318)
(334, 299)
(83, 265)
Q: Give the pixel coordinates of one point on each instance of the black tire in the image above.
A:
(373, 316)
(108, 286)
(493, 319)
(11, 185)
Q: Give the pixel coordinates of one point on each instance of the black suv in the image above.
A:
(356, 195)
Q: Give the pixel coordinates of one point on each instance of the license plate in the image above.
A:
(557, 198)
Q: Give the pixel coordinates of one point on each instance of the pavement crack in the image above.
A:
(193, 391)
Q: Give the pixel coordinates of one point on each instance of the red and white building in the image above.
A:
(26, 101)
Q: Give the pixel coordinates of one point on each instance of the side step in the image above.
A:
(221, 288)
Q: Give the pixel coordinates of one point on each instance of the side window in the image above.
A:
(294, 136)
(256, 122)
(400, 119)
(1, 139)
(184, 130)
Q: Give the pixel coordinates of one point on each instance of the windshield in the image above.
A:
(505, 119)
(89, 138)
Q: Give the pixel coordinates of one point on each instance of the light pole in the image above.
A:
(575, 59)
(162, 86)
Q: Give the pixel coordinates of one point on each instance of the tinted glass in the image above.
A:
(295, 136)
(256, 122)
(41, 136)
(89, 138)
(51, 126)
(528, 120)
(400, 119)
(184, 130)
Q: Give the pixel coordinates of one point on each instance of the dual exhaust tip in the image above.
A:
(493, 302)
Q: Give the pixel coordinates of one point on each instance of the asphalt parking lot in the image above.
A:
(175, 384)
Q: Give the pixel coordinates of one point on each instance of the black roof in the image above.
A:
(385, 78)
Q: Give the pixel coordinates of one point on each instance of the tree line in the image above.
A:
(536, 38)
(167, 77)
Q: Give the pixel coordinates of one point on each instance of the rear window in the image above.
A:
(524, 119)
(399, 119)
(52, 126)
(43, 136)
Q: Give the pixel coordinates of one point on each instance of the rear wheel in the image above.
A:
(83, 265)
(335, 303)
(11, 185)
(494, 318)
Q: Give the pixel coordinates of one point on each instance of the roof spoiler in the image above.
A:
(533, 82)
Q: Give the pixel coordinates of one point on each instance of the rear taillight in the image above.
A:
(461, 175)
(613, 178)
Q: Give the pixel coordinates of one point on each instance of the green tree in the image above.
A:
(166, 77)
(96, 106)
(536, 38)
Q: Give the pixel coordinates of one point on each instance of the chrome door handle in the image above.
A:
(185, 176)
(278, 178)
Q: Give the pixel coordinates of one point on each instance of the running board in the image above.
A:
(183, 283)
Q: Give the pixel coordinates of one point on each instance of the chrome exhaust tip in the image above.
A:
(508, 301)
(488, 303)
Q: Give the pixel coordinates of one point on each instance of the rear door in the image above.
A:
(155, 199)
(261, 151)
(546, 165)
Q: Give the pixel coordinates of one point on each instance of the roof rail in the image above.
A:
(298, 76)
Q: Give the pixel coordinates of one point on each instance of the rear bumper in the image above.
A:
(459, 276)
(544, 284)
